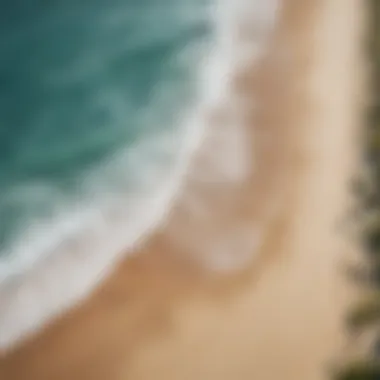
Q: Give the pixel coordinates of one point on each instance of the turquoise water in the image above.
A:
(91, 98)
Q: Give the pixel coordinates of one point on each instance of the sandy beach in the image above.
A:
(171, 311)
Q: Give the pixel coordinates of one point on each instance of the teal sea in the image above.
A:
(93, 96)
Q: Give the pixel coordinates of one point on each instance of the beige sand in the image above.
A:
(160, 317)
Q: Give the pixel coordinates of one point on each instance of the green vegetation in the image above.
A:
(372, 236)
(367, 312)
(366, 370)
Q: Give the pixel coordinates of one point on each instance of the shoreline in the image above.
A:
(159, 316)
(43, 281)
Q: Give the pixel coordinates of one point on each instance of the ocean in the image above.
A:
(102, 105)
(93, 96)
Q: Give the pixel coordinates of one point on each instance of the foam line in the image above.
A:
(114, 229)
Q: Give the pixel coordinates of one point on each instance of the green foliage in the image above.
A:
(372, 238)
(367, 312)
(365, 370)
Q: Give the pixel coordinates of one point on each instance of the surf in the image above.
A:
(59, 259)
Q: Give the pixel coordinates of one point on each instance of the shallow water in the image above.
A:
(92, 97)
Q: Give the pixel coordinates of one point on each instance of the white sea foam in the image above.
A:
(85, 244)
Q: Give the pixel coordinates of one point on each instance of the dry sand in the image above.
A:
(161, 317)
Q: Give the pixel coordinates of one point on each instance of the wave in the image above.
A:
(59, 260)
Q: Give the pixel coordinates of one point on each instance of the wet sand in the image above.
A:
(161, 315)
